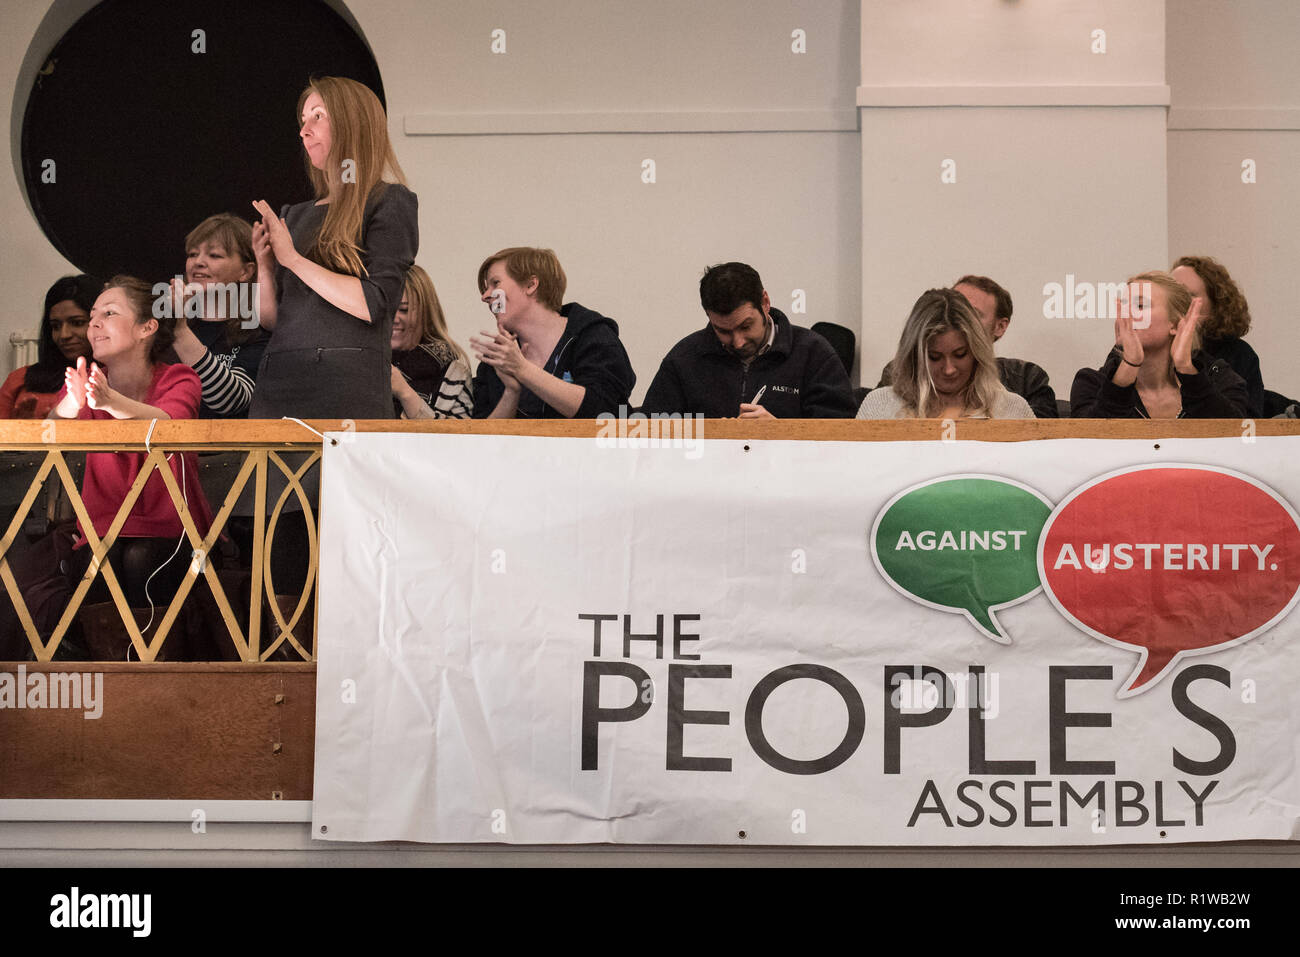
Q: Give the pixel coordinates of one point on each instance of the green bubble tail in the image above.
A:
(983, 619)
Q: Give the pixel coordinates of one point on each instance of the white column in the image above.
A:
(998, 139)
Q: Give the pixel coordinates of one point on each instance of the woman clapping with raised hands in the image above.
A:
(332, 268)
(1156, 370)
(128, 379)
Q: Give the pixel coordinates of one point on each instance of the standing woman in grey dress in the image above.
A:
(337, 264)
(336, 267)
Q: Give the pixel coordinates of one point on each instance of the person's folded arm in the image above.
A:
(564, 397)
(601, 367)
(455, 399)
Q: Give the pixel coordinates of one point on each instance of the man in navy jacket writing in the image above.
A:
(749, 361)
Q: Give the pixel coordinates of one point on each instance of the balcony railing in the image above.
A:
(257, 451)
(268, 625)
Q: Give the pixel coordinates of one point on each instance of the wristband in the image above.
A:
(1135, 365)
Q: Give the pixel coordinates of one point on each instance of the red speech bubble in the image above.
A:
(1171, 560)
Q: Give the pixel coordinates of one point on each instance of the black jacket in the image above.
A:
(1245, 362)
(800, 374)
(1031, 383)
(588, 354)
(1215, 392)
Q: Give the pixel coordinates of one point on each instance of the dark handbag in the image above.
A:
(41, 570)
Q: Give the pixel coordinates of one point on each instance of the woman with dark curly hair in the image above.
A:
(1225, 320)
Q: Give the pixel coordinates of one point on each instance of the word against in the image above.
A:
(969, 540)
(61, 689)
(102, 910)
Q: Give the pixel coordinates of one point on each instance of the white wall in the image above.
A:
(1018, 42)
(1235, 79)
(781, 191)
(1058, 153)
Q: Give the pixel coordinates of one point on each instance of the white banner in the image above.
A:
(544, 640)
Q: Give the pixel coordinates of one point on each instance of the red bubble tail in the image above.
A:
(1154, 663)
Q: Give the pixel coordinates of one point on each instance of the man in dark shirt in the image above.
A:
(993, 305)
(749, 361)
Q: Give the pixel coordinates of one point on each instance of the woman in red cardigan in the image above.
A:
(128, 380)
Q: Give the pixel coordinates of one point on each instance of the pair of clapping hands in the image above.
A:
(1180, 350)
(501, 351)
(272, 242)
(88, 385)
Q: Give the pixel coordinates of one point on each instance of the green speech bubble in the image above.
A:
(964, 544)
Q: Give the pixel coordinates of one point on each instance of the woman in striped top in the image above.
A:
(431, 377)
(217, 332)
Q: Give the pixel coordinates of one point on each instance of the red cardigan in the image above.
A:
(19, 402)
(175, 389)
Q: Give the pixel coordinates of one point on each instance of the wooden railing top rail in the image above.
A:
(282, 434)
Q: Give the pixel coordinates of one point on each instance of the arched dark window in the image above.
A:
(149, 115)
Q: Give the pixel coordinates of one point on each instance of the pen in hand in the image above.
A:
(758, 395)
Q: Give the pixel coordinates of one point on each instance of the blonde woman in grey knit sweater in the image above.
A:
(944, 368)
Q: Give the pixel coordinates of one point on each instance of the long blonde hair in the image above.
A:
(425, 312)
(936, 312)
(358, 137)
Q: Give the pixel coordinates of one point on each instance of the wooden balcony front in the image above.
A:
(242, 727)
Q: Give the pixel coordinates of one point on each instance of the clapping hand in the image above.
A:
(501, 351)
(271, 238)
(1184, 339)
(98, 393)
(75, 380)
(1126, 338)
